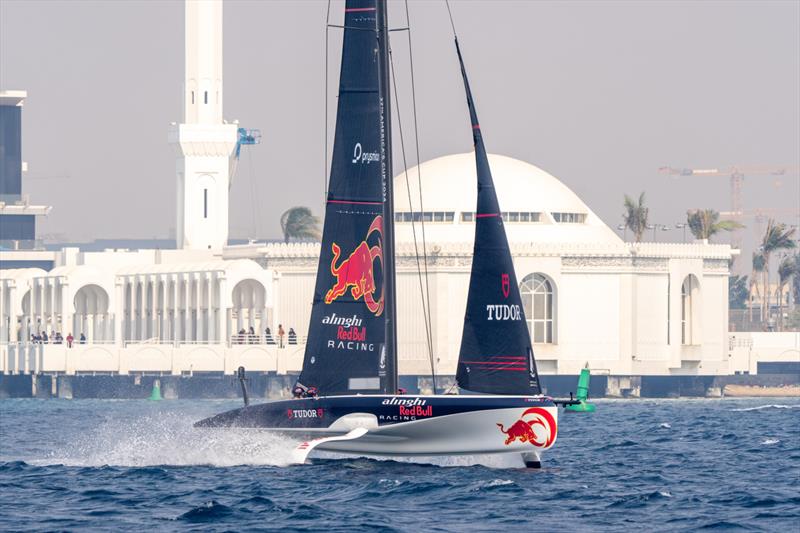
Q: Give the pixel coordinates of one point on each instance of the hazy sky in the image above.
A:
(600, 94)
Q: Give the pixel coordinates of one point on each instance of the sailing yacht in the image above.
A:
(349, 399)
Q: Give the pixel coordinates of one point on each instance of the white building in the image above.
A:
(120, 297)
(647, 309)
(626, 309)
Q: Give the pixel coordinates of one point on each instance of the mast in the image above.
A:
(389, 373)
(350, 347)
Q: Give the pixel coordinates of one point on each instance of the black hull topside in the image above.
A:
(317, 415)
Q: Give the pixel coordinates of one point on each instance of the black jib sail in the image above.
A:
(346, 351)
(496, 356)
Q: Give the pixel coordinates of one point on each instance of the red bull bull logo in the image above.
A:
(523, 429)
(357, 272)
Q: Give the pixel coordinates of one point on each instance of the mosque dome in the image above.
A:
(537, 207)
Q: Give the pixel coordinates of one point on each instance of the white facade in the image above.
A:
(620, 309)
(148, 296)
(625, 309)
(203, 142)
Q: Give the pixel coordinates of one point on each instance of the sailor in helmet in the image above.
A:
(301, 391)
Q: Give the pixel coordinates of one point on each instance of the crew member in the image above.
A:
(299, 391)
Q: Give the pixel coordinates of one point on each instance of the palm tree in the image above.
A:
(758, 269)
(299, 223)
(704, 223)
(796, 282)
(635, 216)
(737, 291)
(785, 272)
(777, 237)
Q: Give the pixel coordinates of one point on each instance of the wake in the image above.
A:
(170, 440)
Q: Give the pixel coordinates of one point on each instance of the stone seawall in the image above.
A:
(274, 386)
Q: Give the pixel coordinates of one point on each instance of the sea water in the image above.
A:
(671, 465)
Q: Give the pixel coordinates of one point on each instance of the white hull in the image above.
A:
(470, 433)
(406, 425)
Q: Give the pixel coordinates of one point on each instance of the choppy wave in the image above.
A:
(208, 512)
(768, 406)
(125, 465)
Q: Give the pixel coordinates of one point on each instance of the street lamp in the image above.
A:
(682, 225)
(654, 227)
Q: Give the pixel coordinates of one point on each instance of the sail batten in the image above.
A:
(346, 347)
(496, 355)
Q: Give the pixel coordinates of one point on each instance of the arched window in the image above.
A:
(537, 301)
(91, 316)
(248, 310)
(689, 295)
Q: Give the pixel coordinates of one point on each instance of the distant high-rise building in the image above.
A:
(17, 215)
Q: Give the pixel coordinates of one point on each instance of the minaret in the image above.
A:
(204, 142)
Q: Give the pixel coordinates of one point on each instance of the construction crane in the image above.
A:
(247, 137)
(736, 175)
(244, 137)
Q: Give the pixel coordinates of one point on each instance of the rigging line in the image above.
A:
(411, 207)
(450, 14)
(253, 194)
(325, 130)
(419, 186)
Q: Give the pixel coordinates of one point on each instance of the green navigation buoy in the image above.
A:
(583, 394)
(155, 395)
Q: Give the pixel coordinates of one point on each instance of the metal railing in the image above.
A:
(269, 340)
(21, 244)
(63, 341)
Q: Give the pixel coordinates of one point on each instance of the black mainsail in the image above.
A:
(496, 356)
(350, 347)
